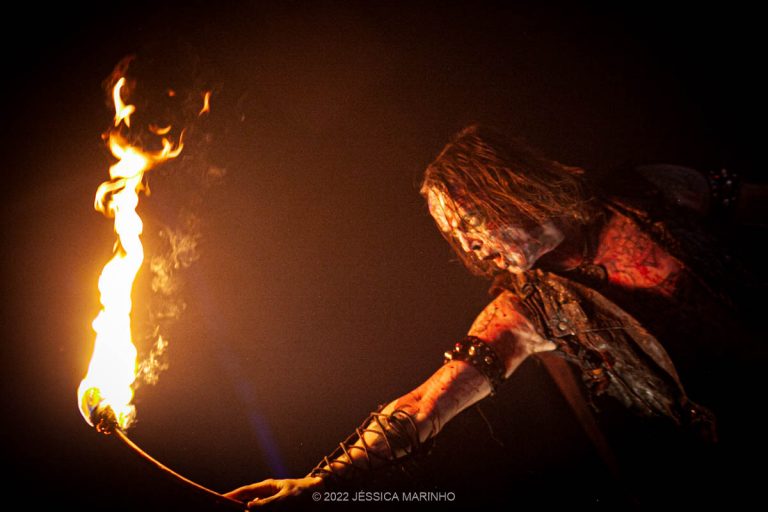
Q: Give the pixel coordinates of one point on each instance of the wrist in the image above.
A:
(317, 481)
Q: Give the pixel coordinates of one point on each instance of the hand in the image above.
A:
(269, 491)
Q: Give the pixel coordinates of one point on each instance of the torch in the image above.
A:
(105, 421)
(106, 392)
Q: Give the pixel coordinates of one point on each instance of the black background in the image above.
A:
(323, 288)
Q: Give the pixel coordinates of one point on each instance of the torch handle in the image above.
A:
(219, 498)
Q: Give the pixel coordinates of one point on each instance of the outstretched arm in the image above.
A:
(419, 415)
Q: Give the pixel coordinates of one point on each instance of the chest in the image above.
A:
(634, 261)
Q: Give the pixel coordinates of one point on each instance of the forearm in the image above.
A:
(450, 390)
(498, 342)
(404, 424)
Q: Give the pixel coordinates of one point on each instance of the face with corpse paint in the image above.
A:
(509, 247)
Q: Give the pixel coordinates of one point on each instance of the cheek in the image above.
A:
(519, 251)
(514, 239)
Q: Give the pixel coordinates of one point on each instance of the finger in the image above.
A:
(260, 502)
(261, 489)
(241, 493)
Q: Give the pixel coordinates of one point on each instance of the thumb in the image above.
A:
(259, 490)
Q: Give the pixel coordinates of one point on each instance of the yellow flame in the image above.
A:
(206, 104)
(122, 111)
(113, 366)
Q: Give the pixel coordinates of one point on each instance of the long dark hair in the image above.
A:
(507, 183)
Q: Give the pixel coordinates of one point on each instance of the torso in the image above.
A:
(633, 261)
(683, 311)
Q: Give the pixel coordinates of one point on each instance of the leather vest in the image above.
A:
(616, 355)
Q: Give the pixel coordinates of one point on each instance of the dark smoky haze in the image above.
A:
(319, 287)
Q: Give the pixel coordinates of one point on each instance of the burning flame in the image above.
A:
(122, 111)
(113, 366)
(206, 104)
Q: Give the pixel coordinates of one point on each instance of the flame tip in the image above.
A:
(206, 104)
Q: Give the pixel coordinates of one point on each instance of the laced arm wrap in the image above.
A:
(392, 441)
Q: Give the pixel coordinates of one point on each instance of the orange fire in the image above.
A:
(206, 104)
(112, 370)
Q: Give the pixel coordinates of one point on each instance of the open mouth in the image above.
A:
(497, 258)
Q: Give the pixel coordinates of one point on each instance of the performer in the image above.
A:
(609, 271)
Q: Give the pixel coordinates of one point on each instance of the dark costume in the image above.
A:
(634, 351)
(616, 355)
(520, 446)
(612, 334)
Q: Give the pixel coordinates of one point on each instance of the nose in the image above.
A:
(468, 243)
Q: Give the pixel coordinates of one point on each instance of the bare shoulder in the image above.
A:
(503, 324)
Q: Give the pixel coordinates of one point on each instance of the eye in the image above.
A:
(473, 219)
